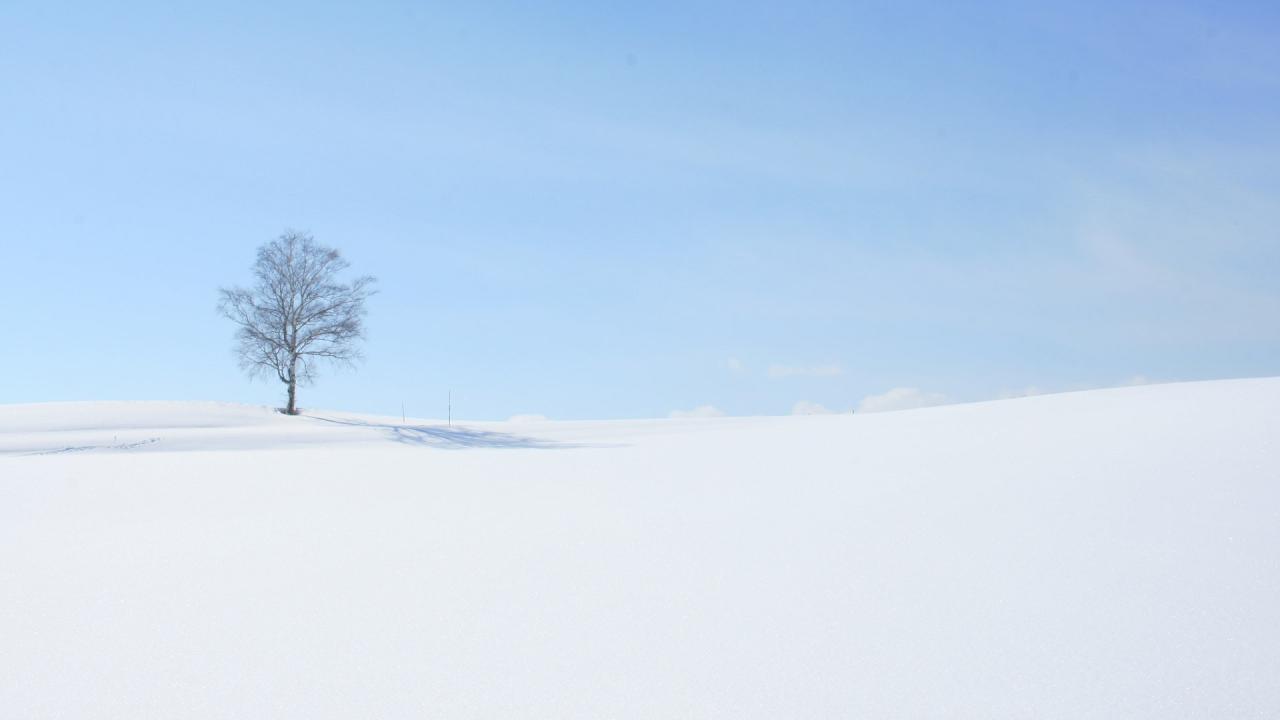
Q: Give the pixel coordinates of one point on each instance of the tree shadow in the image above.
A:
(455, 437)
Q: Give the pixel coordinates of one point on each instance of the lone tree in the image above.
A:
(297, 314)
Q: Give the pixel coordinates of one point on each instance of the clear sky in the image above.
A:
(596, 210)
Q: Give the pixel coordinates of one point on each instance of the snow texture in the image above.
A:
(1105, 554)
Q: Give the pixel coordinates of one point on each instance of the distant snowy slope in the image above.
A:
(1087, 555)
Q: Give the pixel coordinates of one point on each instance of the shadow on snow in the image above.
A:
(454, 437)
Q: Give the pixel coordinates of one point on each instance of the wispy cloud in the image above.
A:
(1036, 390)
(1028, 391)
(805, 407)
(702, 411)
(785, 371)
(900, 399)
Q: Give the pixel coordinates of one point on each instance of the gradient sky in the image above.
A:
(587, 211)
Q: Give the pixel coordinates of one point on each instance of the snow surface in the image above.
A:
(1108, 554)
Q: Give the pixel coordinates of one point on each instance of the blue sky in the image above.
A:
(583, 211)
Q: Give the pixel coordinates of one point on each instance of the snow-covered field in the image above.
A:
(1107, 554)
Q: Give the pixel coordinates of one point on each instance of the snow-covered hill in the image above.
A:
(1090, 555)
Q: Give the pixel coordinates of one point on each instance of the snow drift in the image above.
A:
(1101, 554)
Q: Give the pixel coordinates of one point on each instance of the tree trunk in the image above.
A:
(292, 409)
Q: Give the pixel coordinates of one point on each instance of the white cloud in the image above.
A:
(1027, 391)
(784, 371)
(805, 407)
(702, 411)
(900, 399)
(1036, 390)
(735, 366)
(529, 418)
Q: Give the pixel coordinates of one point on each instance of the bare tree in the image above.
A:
(297, 314)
